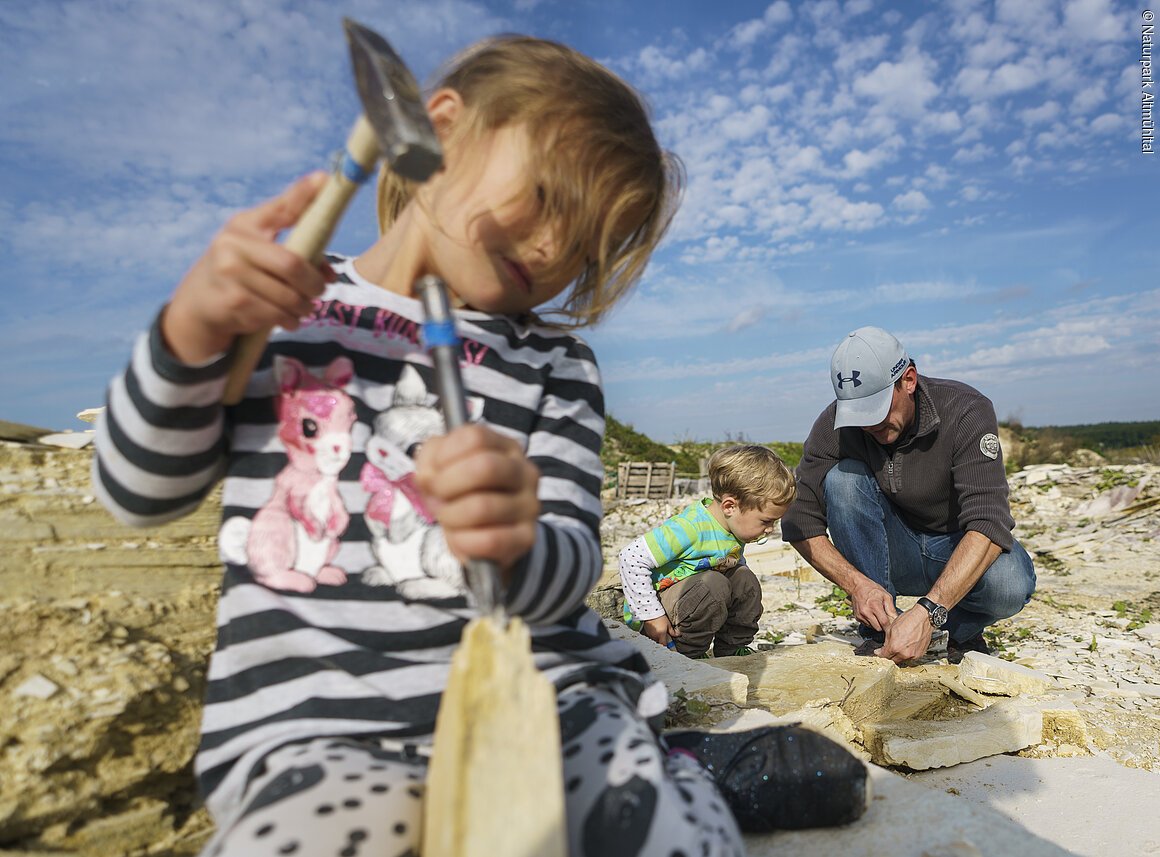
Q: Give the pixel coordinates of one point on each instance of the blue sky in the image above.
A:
(966, 174)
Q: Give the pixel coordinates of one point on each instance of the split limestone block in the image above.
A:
(1005, 727)
(988, 674)
(790, 677)
(496, 781)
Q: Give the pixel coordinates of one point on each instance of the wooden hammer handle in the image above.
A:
(308, 239)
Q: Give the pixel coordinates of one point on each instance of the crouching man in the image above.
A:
(906, 473)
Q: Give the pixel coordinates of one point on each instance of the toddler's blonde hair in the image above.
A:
(607, 182)
(754, 474)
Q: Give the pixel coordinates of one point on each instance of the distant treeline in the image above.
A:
(1100, 436)
(1119, 443)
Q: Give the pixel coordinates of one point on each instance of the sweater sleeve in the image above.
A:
(806, 516)
(636, 565)
(558, 574)
(981, 481)
(160, 444)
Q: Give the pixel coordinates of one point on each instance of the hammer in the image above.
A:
(395, 126)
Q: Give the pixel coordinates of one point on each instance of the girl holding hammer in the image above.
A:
(344, 502)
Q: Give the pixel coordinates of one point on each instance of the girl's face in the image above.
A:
(490, 241)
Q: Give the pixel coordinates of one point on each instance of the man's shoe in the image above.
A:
(956, 650)
(726, 652)
(780, 777)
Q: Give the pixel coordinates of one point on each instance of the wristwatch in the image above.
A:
(938, 613)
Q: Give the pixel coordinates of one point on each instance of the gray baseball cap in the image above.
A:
(863, 371)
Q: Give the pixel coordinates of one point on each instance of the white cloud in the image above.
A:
(937, 176)
(1042, 344)
(944, 122)
(971, 154)
(859, 51)
(739, 126)
(1108, 123)
(1092, 20)
(859, 163)
(109, 236)
(748, 33)
(913, 201)
(903, 87)
(1088, 98)
(829, 210)
(1038, 115)
(990, 52)
(1027, 16)
(715, 249)
(658, 65)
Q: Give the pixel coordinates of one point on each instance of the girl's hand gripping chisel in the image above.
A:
(440, 339)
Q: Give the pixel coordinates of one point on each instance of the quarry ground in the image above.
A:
(105, 635)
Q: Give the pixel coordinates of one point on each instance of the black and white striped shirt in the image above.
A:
(338, 613)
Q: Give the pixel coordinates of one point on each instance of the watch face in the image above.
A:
(938, 613)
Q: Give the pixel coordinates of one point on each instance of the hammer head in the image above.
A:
(393, 105)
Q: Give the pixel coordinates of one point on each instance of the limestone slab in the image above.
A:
(988, 674)
(698, 679)
(789, 677)
(919, 745)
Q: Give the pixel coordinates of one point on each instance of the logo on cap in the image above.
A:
(853, 379)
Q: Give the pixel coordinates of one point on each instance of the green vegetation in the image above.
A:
(1140, 616)
(624, 443)
(835, 603)
(1119, 443)
(1113, 479)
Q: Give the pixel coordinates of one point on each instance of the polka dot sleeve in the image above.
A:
(636, 565)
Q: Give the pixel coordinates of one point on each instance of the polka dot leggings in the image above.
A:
(349, 796)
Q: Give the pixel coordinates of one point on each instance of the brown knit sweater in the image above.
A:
(937, 474)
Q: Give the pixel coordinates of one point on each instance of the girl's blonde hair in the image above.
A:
(754, 474)
(606, 181)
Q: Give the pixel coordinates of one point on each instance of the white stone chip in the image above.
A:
(38, 687)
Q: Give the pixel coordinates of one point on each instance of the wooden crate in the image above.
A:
(652, 480)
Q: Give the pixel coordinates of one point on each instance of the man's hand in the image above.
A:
(872, 605)
(483, 491)
(908, 636)
(659, 630)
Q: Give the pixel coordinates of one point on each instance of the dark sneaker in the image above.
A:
(727, 652)
(780, 777)
(956, 650)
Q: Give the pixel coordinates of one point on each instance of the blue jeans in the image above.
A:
(871, 534)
